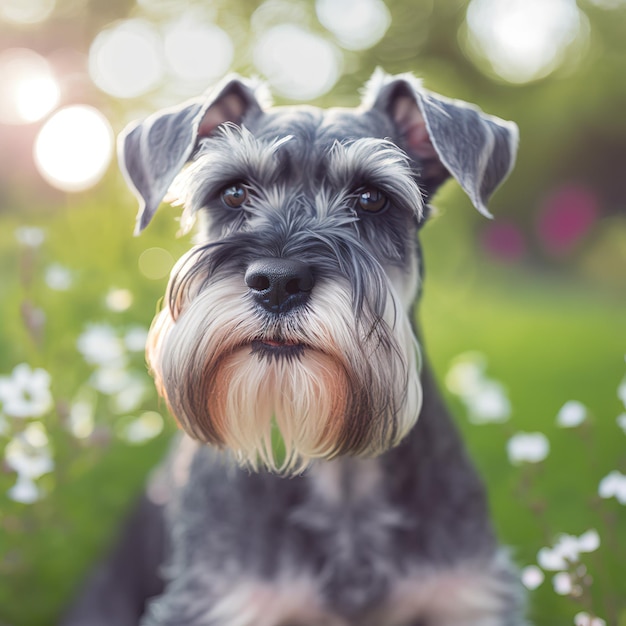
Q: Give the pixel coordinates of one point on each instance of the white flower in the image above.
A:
(26, 393)
(110, 379)
(571, 414)
(613, 485)
(24, 490)
(488, 403)
(4, 426)
(621, 391)
(466, 373)
(584, 619)
(130, 397)
(119, 300)
(100, 345)
(135, 339)
(589, 541)
(58, 277)
(485, 399)
(562, 583)
(147, 426)
(532, 577)
(528, 447)
(28, 452)
(81, 419)
(551, 560)
(30, 236)
(567, 550)
(621, 421)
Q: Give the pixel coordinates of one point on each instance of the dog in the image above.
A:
(305, 491)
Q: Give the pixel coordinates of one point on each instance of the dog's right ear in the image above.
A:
(446, 137)
(152, 153)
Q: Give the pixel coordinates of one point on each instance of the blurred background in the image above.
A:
(524, 315)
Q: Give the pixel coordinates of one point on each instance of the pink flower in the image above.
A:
(504, 241)
(567, 216)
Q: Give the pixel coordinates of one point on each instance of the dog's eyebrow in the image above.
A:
(233, 154)
(376, 162)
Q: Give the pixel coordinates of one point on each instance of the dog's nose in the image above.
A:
(279, 285)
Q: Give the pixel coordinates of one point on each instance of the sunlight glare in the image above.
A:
(523, 40)
(26, 11)
(298, 64)
(197, 52)
(357, 24)
(125, 61)
(74, 148)
(29, 89)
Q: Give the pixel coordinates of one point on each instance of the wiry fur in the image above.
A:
(384, 521)
(357, 353)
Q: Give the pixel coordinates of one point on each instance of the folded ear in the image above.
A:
(153, 152)
(447, 137)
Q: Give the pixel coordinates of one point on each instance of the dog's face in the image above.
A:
(292, 314)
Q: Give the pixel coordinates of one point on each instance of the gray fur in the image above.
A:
(341, 543)
(429, 511)
(478, 150)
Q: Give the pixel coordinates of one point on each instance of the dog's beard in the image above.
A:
(330, 381)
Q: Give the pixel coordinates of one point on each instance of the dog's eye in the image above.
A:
(234, 196)
(371, 200)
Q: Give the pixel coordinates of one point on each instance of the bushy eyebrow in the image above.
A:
(377, 162)
(233, 154)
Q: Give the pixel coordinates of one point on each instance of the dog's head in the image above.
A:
(292, 314)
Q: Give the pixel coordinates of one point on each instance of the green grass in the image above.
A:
(548, 344)
(546, 340)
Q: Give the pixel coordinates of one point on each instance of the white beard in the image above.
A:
(336, 385)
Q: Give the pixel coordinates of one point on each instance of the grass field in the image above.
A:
(545, 340)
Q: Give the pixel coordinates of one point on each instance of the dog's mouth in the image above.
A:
(277, 348)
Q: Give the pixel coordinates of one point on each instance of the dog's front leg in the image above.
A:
(116, 592)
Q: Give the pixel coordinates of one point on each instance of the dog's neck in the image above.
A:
(422, 489)
(429, 471)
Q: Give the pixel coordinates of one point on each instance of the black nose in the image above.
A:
(279, 285)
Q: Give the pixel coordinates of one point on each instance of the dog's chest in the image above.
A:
(339, 557)
(462, 597)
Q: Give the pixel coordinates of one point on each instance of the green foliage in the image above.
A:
(550, 325)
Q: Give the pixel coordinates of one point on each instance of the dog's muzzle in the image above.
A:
(241, 357)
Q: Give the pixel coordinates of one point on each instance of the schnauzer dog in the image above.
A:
(287, 343)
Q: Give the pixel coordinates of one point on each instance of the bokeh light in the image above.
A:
(272, 12)
(26, 11)
(29, 89)
(160, 7)
(125, 61)
(298, 64)
(197, 52)
(74, 148)
(523, 40)
(118, 300)
(155, 263)
(357, 24)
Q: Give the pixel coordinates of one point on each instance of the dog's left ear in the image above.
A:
(153, 152)
(447, 137)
